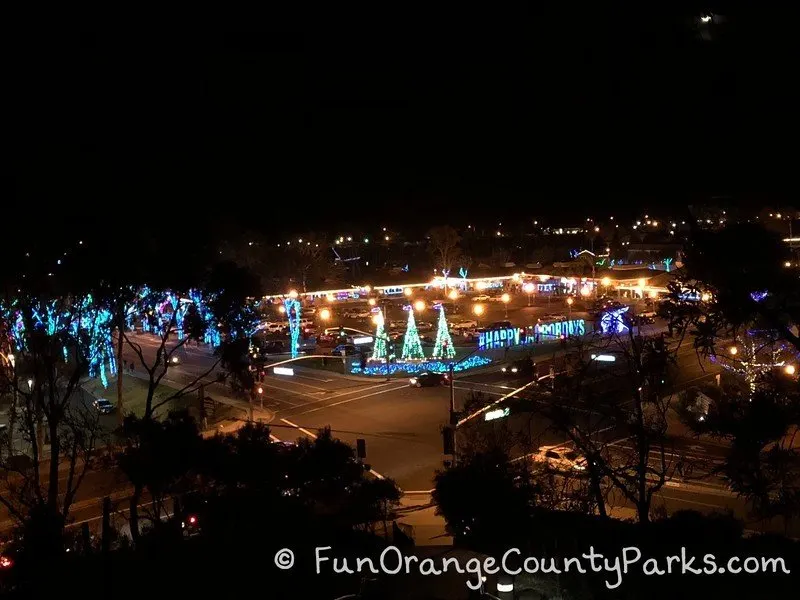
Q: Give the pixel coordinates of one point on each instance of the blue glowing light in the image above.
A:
(759, 296)
(430, 366)
(292, 306)
(612, 320)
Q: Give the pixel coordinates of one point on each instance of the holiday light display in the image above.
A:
(292, 306)
(613, 321)
(379, 347)
(755, 355)
(412, 346)
(443, 347)
(422, 366)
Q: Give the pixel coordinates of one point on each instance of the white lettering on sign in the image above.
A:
(283, 371)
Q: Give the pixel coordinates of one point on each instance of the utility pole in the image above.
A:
(120, 366)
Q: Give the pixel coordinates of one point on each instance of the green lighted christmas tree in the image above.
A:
(443, 348)
(412, 347)
(379, 348)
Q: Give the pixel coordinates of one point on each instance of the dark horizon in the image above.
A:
(289, 130)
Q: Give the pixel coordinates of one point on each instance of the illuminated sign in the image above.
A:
(497, 338)
(393, 291)
(283, 371)
(514, 336)
(497, 414)
(560, 329)
(362, 340)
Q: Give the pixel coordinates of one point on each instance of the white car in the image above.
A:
(495, 298)
(273, 327)
(424, 326)
(464, 325)
(559, 458)
(552, 318)
(481, 298)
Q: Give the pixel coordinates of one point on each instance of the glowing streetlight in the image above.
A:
(705, 297)
(408, 291)
(293, 294)
(642, 282)
(570, 301)
(30, 384)
(789, 369)
(506, 299)
(478, 310)
(480, 286)
(606, 281)
(733, 350)
(419, 305)
(453, 295)
(529, 288)
(325, 314)
(282, 309)
(330, 297)
(371, 301)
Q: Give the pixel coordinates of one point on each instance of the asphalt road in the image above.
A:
(401, 424)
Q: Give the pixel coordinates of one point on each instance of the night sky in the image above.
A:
(408, 119)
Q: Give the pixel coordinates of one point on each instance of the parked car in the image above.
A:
(501, 325)
(559, 459)
(424, 326)
(481, 298)
(496, 298)
(552, 317)
(644, 318)
(348, 349)
(103, 406)
(273, 326)
(429, 379)
(309, 310)
(468, 324)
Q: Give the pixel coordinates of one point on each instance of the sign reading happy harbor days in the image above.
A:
(514, 336)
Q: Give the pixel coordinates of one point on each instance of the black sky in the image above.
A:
(401, 117)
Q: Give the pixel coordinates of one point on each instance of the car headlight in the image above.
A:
(514, 370)
(413, 381)
(504, 369)
(579, 467)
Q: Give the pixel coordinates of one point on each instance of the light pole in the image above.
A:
(478, 310)
(528, 289)
(569, 307)
(506, 299)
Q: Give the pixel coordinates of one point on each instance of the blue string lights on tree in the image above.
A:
(292, 306)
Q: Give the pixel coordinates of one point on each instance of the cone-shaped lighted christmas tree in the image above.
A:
(379, 348)
(443, 348)
(412, 347)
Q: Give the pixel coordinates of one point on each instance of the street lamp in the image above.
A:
(325, 314)
(789, 369)
(419, 305)
(733, 350)
(529, 288)
(478, 310)
(569, 305)
(293, 294)
(453, 295)
(506, 299)
(408, 291)
(371, 301)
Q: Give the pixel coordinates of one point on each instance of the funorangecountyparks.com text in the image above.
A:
(513, 562)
